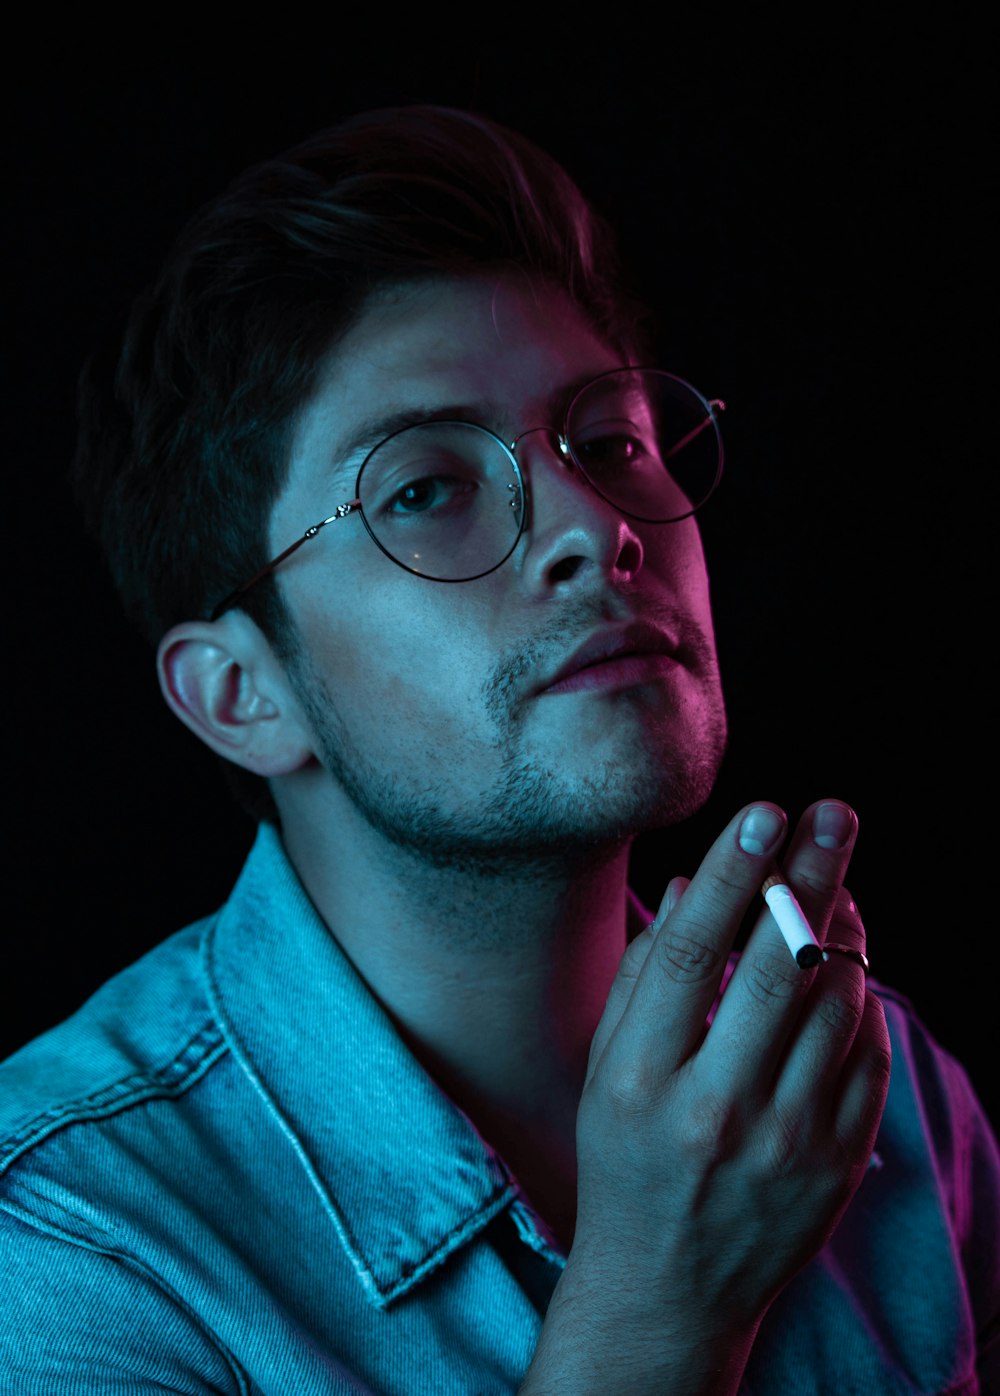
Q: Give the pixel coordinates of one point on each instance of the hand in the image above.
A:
(714, 1164)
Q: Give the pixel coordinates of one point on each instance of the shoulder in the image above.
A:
(932, 1086)
(61, 1321)
(146, 1032)
(81, 1140)
(939, 1146)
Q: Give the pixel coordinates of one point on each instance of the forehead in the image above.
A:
(501, 350)
(464, 332)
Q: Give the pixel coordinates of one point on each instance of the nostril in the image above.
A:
(630, 557)
(565, 569)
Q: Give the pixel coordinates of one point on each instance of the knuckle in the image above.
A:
(773, 978)
(713, 1131)
(822, 885)
(793, 1151)
(731, 887)
(631, 1092)
(784, 1145)
(723, 891)
(841, 1006)
(685, 959)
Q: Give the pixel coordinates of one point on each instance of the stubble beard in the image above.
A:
(529, 819)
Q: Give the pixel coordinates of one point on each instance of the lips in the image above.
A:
(637, 652)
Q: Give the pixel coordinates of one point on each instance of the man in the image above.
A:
(428, 1106)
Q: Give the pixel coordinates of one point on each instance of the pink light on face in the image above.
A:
(621, 671)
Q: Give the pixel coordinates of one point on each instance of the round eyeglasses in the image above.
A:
(446, 500)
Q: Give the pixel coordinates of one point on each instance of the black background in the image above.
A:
(813, 230)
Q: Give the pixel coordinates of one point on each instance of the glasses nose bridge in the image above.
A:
(560, 449)
(562, 445)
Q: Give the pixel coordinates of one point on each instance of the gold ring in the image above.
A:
(857, 956)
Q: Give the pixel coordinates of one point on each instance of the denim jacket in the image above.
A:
(226, 1173)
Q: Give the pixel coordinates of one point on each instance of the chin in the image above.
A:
(551, 802)
(544, 821)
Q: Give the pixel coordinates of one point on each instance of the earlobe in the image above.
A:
(222, 679)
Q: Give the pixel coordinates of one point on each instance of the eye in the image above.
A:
(429, 494)
(613, 450)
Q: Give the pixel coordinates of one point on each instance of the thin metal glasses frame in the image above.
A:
(713, 406)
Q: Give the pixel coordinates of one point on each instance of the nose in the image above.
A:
(571, 533)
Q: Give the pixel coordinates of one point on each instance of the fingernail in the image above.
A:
(761, 829)
(833, 825)
(676, 889)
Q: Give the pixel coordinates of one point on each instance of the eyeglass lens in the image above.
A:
(444, 498)
(646, 442)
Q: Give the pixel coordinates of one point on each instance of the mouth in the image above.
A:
(620, 657)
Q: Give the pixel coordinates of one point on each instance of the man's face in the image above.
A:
(433, 705)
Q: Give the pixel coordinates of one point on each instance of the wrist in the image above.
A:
(602, 1336)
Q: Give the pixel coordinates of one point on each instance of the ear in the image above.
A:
(223, 680)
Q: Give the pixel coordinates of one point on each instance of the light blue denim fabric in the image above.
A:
(227, 1174)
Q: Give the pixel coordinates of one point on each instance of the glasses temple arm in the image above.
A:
(341, 512)
(715, 404)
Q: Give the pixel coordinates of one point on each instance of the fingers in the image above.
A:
(676, 888)
(865, 1079)
(669, 977)
(628, 970)
(815, 862)
(666, 985)
(846, 932)
(835, 1008)
(747, 1137)
(814, 865)
(762, 1004)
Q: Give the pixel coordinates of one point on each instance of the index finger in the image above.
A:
(764, 998)
(662, 1018)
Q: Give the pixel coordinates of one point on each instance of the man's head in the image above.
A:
(418, 260)
(185, 428)
(182, 454)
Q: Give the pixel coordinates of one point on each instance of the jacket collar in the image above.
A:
(402, 1173)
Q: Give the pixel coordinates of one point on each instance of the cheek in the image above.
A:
(413, 701)
(675, 553)
(402, 659)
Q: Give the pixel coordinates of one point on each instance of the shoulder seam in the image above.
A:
(197, 1055)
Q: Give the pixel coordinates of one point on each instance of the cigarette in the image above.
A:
(791, 922)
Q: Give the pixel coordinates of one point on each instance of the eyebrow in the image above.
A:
(373, 430)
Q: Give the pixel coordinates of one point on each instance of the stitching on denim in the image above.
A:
(197, 1055)
(377, 1294)
(245, 1062)
(451, 1242)
(27, 1218)
(524, 1221)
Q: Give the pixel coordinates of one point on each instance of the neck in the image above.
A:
(496, 981)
